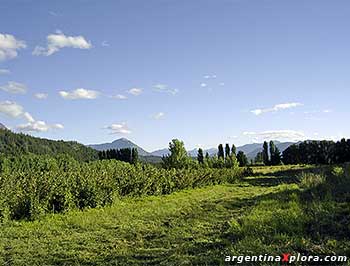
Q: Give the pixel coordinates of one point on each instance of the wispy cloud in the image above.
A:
(203, 85)
(9, 46)
(325, 111)
(135, 91)
(14, 87)
(120, 128)
(54, 14)
(41, 96)
(105, 44)
(165, 88)
(57, 41)
(277, 107)
(79, 94)
(276, 135)
(4, 71)
(14, 110)
(210, 76)
(119, 97)
(158, 116)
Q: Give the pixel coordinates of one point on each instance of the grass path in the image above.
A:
(185, 228)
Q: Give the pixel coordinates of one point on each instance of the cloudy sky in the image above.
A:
(203, 71)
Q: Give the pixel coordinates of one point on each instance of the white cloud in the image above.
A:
(41, 96)
(121, 128)
(119, 97)
(203, 85)
(14, 87)
(158, 116)
(11, 109)
(54, 14)
(277, 107)
(4, 71)
(9, 46)
(135, 91)
(57, 41)
(38, 126)
(222, 84)
(276, 135)
(210, 76)
(28, 117)
(79, 94)
(165, 88)
(15, 110)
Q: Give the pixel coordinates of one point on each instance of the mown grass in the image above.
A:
(262, 214)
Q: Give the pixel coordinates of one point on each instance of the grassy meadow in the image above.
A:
(295, 209)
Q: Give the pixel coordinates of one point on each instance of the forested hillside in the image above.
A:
(20, 144)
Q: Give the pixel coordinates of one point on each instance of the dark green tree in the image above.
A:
(227, 151)
(200, 156)
(234, 150)
(258, 158)
(242, 159)
(272, 149)
(134, 156)
(265, 153)
(221, 154)
(276, 157)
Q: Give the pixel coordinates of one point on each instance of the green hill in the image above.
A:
(19, 144)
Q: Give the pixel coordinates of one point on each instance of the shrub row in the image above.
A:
(33, 185)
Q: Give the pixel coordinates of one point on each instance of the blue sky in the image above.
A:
(203, 71)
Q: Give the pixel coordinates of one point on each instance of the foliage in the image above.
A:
(265, 153)
(178, 157)
(311, 180)
(20, 144)
(221, 154)
(260, 215)
(234, 150)
(34, 185)
(318, 152)
(242, 159)
(125, 155)
(227, 150)
(275, 154)
(258, 158)
(200, 156)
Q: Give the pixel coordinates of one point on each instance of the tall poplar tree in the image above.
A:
(266, 153)
(200, 156)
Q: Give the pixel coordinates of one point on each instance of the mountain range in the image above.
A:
(249, 149)
(75, 149)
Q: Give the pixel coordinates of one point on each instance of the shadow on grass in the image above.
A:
(271, 181)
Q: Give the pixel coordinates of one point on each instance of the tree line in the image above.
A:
(128, 155)
(14, 144)
(318, 152)
(226, 157)
(270, 154)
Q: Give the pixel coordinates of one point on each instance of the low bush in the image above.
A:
(34, 185)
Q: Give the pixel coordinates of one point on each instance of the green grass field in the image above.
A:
(266, 213)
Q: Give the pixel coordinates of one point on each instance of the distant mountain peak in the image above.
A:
(122, 139)
(121, 143)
